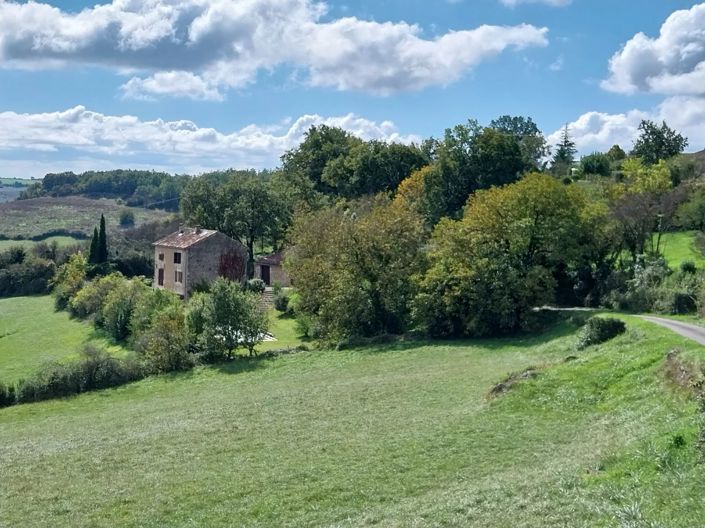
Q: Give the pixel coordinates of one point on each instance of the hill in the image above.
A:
(401, 435)
(699, 159)
(31, 333)
(40, 217)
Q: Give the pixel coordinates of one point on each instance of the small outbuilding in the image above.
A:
(193, 256)
(271, 270)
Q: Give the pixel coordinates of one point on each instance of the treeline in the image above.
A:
(136, 187)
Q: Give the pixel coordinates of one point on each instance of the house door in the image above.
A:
(160, 277)
(264, 274)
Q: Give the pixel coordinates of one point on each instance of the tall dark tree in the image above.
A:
(102, 252)
(657, 142)
(564, 156)
(616, 153)
(93, 254)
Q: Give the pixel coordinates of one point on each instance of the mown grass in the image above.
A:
(401, 435)
(32, 333)
(35, 217)
(681, 246)
(62, 241)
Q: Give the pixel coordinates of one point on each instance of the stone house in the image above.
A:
(271, 270)
(193, 256)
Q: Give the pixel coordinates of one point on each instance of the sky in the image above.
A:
(189, 86)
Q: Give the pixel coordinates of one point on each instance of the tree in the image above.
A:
(490, 269)
(93, 252)
(596, 163)
(102, 250)
(657, 142)
(533, 145)
(224, 319)
(564, 157)
(353, 264)
(165, 342)
(69, 279)
(243, 208)
(616, 153)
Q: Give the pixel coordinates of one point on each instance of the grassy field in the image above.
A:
(680, 246)
(28, 218)
(62, 241)
(398, 436)
(31, 333)
(16, 181)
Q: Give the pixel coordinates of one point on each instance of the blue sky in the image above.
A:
(194, 85)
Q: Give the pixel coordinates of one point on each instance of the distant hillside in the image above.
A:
(73, 215)
(699, 159)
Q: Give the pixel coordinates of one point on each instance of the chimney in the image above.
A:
(181, 229)
(197, 229)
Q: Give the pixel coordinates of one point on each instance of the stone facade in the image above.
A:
(271, 270)
(193, 256)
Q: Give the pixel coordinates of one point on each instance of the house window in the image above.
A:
(161, 256)
(160, 277)
(177, 258)
(178, 277)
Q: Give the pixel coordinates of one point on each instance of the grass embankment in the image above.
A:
(32, 333)
(35, 217)
(403, 435)
(681, 246)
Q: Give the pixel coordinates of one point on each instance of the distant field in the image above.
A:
(7, 194)
(680, 246)
(395, 436)
(16, 181)
(31, 333)
(62, 241)
(28, 218)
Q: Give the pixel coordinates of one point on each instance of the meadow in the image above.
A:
(62, 241)
(40, 216)
(682, 246)
(32, 333)
(398, 435)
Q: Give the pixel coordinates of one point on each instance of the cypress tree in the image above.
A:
(93, 255)
(102, 242)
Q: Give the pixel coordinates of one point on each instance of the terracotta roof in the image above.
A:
(274, 259)
(185, 238)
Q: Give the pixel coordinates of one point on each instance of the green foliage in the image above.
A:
(489, 270)
(564, 155)
(165, 343)
(93, 252)
(596, 163)
(127, 218)
(119, 305)
(102, 246)
(148, 306)
(600, 329)
(225, 319)
(691, 213)
(616, 153)
(69, 279)
(24, 274)
(90, 299)
(353, 264)
(656, 143)
(94, 369)
(281, 302)
(532, 144)
(255, 286)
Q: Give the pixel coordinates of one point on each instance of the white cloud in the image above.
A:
(198, 48)
(179, 146)
(557, 65)
(554, 3)
(598, 131)
(672, 64)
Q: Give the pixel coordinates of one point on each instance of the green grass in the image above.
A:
(678, 247)
(62, 241)
(399, 436)
(32, 333)
(284, 331)
(35, 217)
(13, 181)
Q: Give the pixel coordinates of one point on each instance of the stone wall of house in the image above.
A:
(170, 268)
(277, 274)
(204, 258)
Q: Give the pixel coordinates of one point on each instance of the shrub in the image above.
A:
(90, 299)
(281, 302)
(600, 329)
(7, 395)
(688, 266)
(69, 279)
(95, 369)
(255, 286)
(127, 218)
(118, 307)
(165, 343)
(148, 306)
